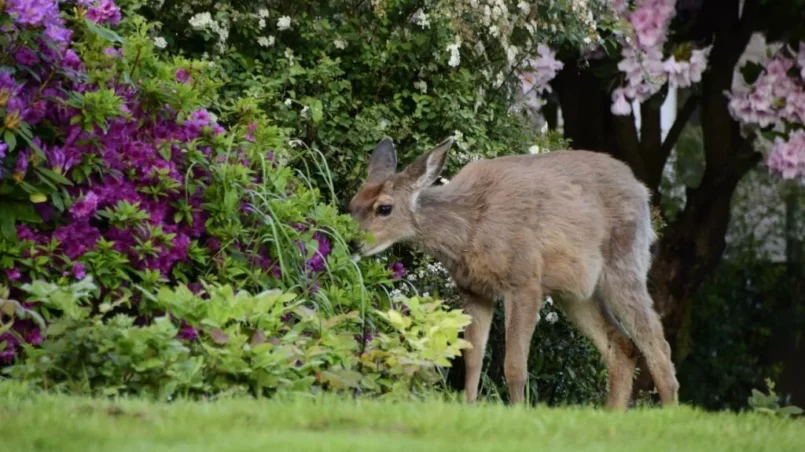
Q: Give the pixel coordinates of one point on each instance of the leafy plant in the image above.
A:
(770, 403)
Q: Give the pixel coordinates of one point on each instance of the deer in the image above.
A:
(571, 224)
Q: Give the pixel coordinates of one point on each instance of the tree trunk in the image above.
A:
(693, 243)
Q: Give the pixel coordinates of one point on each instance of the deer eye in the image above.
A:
(384, 210)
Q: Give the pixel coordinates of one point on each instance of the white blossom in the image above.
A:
(340, 44)
(201, 20)
(261, 23)
(265, 42)
(160, 42)
(421, 18)
(421, 85)
(552, 317)
(455, 56)
(534, 150)
(284, 23)
(288, 102)
(262, 12)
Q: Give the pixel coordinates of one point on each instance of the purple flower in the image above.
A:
(182, 75)
(9, 352)
(397, 270)
(113, 52)
(79, 271)
(187, 332)
(33, 13)
(13, 274)
(58, 34)
(71, 60)
(33, 336)
(22, 167)
(77, 238)
(250, 134)
(3, 149)
(104, 11)
(85, 207)
(25, 233)
(26, 56)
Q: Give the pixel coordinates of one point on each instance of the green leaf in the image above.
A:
(10, 139)
(7, 229)
(791, 410)
(103, 32)
(38, 198)
(54, 176)
(316, 110)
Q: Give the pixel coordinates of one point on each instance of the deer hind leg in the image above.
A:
(481, 310)
(615, 347)
(627, 296)
(522, 314)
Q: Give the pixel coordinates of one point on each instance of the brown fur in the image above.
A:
(571, 224)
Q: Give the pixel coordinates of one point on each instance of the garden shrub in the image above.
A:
(117, 183)
(340, 75)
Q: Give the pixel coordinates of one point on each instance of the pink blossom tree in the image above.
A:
(750, 112)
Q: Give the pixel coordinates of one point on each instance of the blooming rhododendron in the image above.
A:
(774, 102)
(644, 66)
(136, 199)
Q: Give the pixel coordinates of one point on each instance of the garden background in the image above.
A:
(174, 178)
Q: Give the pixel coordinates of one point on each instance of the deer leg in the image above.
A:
(481, 310)
(615, 347)
(632, 305)
(522, 314)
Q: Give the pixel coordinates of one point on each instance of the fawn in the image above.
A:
(572, 224)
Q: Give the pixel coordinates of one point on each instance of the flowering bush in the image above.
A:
(113, 167)
(770, 103)
(341, 75)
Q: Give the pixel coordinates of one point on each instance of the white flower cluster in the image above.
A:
(455, 56)
(421, 18)
(284, 23)
(422, 86)
(203, 21)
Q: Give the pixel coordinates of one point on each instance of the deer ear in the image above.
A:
(427, 168)
(383, 162)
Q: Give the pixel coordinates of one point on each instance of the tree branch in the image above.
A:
(682, 118)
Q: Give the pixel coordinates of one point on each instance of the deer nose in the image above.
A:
(354, 246)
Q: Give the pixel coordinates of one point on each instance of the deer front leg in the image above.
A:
(481, 310)
(522, 313)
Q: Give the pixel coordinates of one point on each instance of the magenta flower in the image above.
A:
(26, 56)
(104, 11)
(9, 352)
(13, 274)
(79, 271)
(187, 332)
(397, 270)
(182, 75)
(86, 207)
(33, 336)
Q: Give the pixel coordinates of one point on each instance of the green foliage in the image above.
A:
(343, 75)
(230, 342)
(770, 403)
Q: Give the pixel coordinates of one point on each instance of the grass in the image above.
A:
(38, 422)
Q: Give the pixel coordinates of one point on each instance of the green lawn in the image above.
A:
(60, 423)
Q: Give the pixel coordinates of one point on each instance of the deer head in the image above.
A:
(386, 204)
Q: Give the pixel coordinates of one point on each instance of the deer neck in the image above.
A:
(442, 226)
